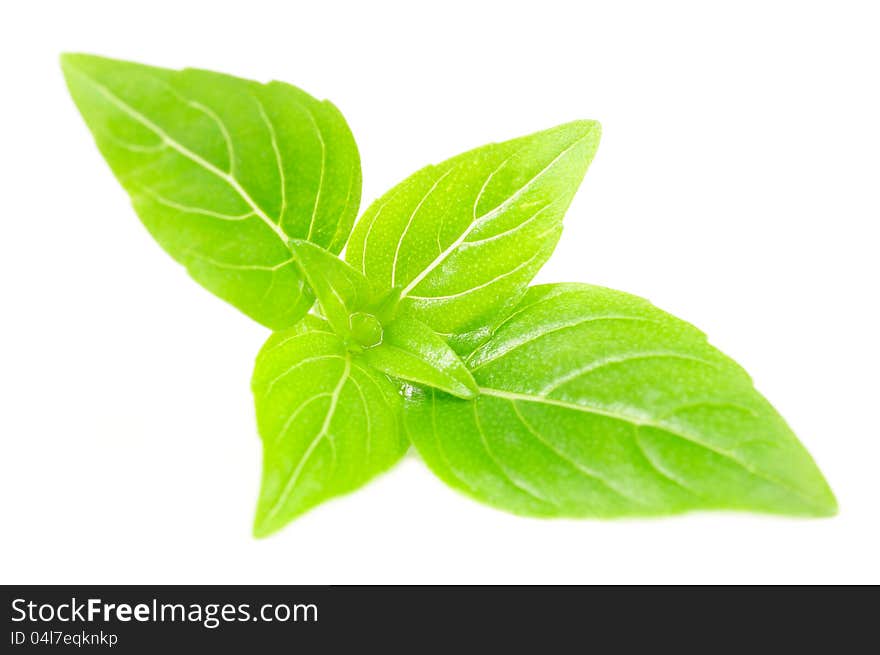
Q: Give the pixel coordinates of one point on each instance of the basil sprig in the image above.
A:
(554, 400)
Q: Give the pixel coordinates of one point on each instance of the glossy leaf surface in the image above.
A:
(462, 239)
(596, 404)
(328, 422)
(223, 171)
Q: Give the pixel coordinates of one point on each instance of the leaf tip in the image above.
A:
(818, 500)
(67, 62)
(826, 506)
(72, 60)
(589, 125)
(582, 128)
(591, 131)
(812, 500)
(76, 65)
(263, 526)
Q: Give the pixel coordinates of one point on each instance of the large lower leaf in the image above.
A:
(328, 422)
(595, 403)
(462, 239)
(222, 171)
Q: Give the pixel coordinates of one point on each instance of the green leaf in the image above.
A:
(223, 171)
(596, 404)
(411, 351)
(328, 422)
(340, 289)
(462, 239)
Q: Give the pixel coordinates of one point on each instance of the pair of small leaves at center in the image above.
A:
(366, 319)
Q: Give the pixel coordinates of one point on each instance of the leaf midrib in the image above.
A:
(489, 215)
(186, 152)
(513, 397)
(322, 433)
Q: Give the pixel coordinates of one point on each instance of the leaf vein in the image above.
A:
(614, 360)
(192, 209)
(300, 363)
(728, 455)
(409, 223)
(517, 484)
(558, 328)
(659, 470)
(197, 159)
(322, 433)
(482, 219)
(279, 160)
(498, 278)
(368, 432)
(478, 242)
(321, 175)
(571, 461)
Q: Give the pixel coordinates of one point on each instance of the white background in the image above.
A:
(736, 186)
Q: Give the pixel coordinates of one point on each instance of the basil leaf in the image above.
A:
(462, 239)
(411, 351)
(328, 423)
(340, 289)
(596, 404)
(223, 171)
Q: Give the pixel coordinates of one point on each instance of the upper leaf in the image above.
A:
(411, 351)
(462, 239)
(223, 171)
(328, 422)
(594, 403)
